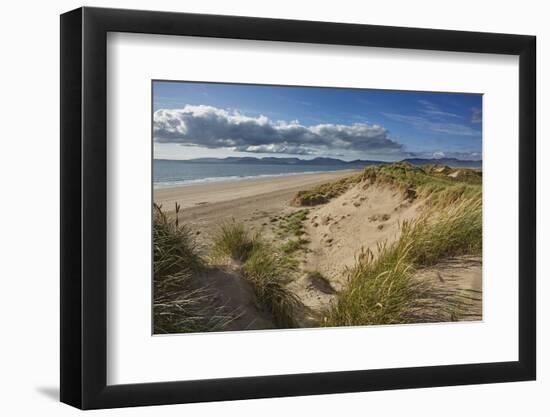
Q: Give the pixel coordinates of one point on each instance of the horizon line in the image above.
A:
(318, 157)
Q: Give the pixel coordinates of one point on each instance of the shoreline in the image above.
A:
(213, 180)
(207, 193)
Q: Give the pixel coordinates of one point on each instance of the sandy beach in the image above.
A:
(206, 193)
(204, 206)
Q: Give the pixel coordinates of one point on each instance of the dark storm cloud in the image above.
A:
(217, 128)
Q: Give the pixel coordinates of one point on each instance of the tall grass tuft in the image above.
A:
(380, 290)
(265, 269)
(179, 305)
(234, 241)
(269, 277)
(174, 246)
(444, 233)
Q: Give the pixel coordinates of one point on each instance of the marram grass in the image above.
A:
(269, 276)
(179, 304)
(431, 182)
(232, 240)
(382, 288)
(263, 267)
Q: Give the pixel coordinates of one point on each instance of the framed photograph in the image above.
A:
(257, 208)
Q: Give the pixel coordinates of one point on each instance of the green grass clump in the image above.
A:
(382, 289)
(179, 305)
(174, 248)
(440, 184)
(262, 266)
(441, 234)
(431, 182)
(293, 224)
(234, 241)
(269, 277)
(325, 192)
(293, 245)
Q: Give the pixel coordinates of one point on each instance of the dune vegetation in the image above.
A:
(440, 184)
(180, 305)
(382, 286)
(264, 267)
(325, 192)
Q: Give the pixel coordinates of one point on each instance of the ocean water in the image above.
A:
(168, 173)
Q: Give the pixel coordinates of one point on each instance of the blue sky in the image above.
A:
(217, 120)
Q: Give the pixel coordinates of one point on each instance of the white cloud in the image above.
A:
(212, 127)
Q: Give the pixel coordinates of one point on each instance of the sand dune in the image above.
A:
(360, 218)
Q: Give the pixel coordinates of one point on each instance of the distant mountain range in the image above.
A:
(284, 161)
(452, 162)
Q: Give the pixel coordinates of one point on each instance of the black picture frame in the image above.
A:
(84, 207)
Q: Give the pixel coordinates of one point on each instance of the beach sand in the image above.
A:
(205, 206)
(216, 192)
